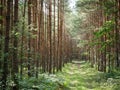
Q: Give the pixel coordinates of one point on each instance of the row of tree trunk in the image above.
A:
(33, 39)
(104, 39)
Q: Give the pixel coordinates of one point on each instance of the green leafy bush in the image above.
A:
(44, 82)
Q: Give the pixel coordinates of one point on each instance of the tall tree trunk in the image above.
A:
(29, 39)
(6, 47)
(54, 44)
(15, 51)
(116, 36)
(50, 35)
(22, 40)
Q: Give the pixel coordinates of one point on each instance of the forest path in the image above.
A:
(80, 76)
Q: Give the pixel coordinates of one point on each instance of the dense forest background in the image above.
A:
(39, 37)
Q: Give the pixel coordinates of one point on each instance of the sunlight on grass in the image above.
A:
(80, 76)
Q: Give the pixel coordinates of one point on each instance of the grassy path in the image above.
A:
(79, 76)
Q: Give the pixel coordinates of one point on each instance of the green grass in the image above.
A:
(75, 76)
(80, 76)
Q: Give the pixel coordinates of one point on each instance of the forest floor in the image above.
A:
(80, 76)
(77, 75)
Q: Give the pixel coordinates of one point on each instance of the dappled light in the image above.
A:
(59, 44)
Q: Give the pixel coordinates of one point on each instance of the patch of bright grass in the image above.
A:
(80, 76)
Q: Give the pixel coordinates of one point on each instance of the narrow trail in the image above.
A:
(79, 76)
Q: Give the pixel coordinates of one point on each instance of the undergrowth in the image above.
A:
(75, 76)
(44, 82)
